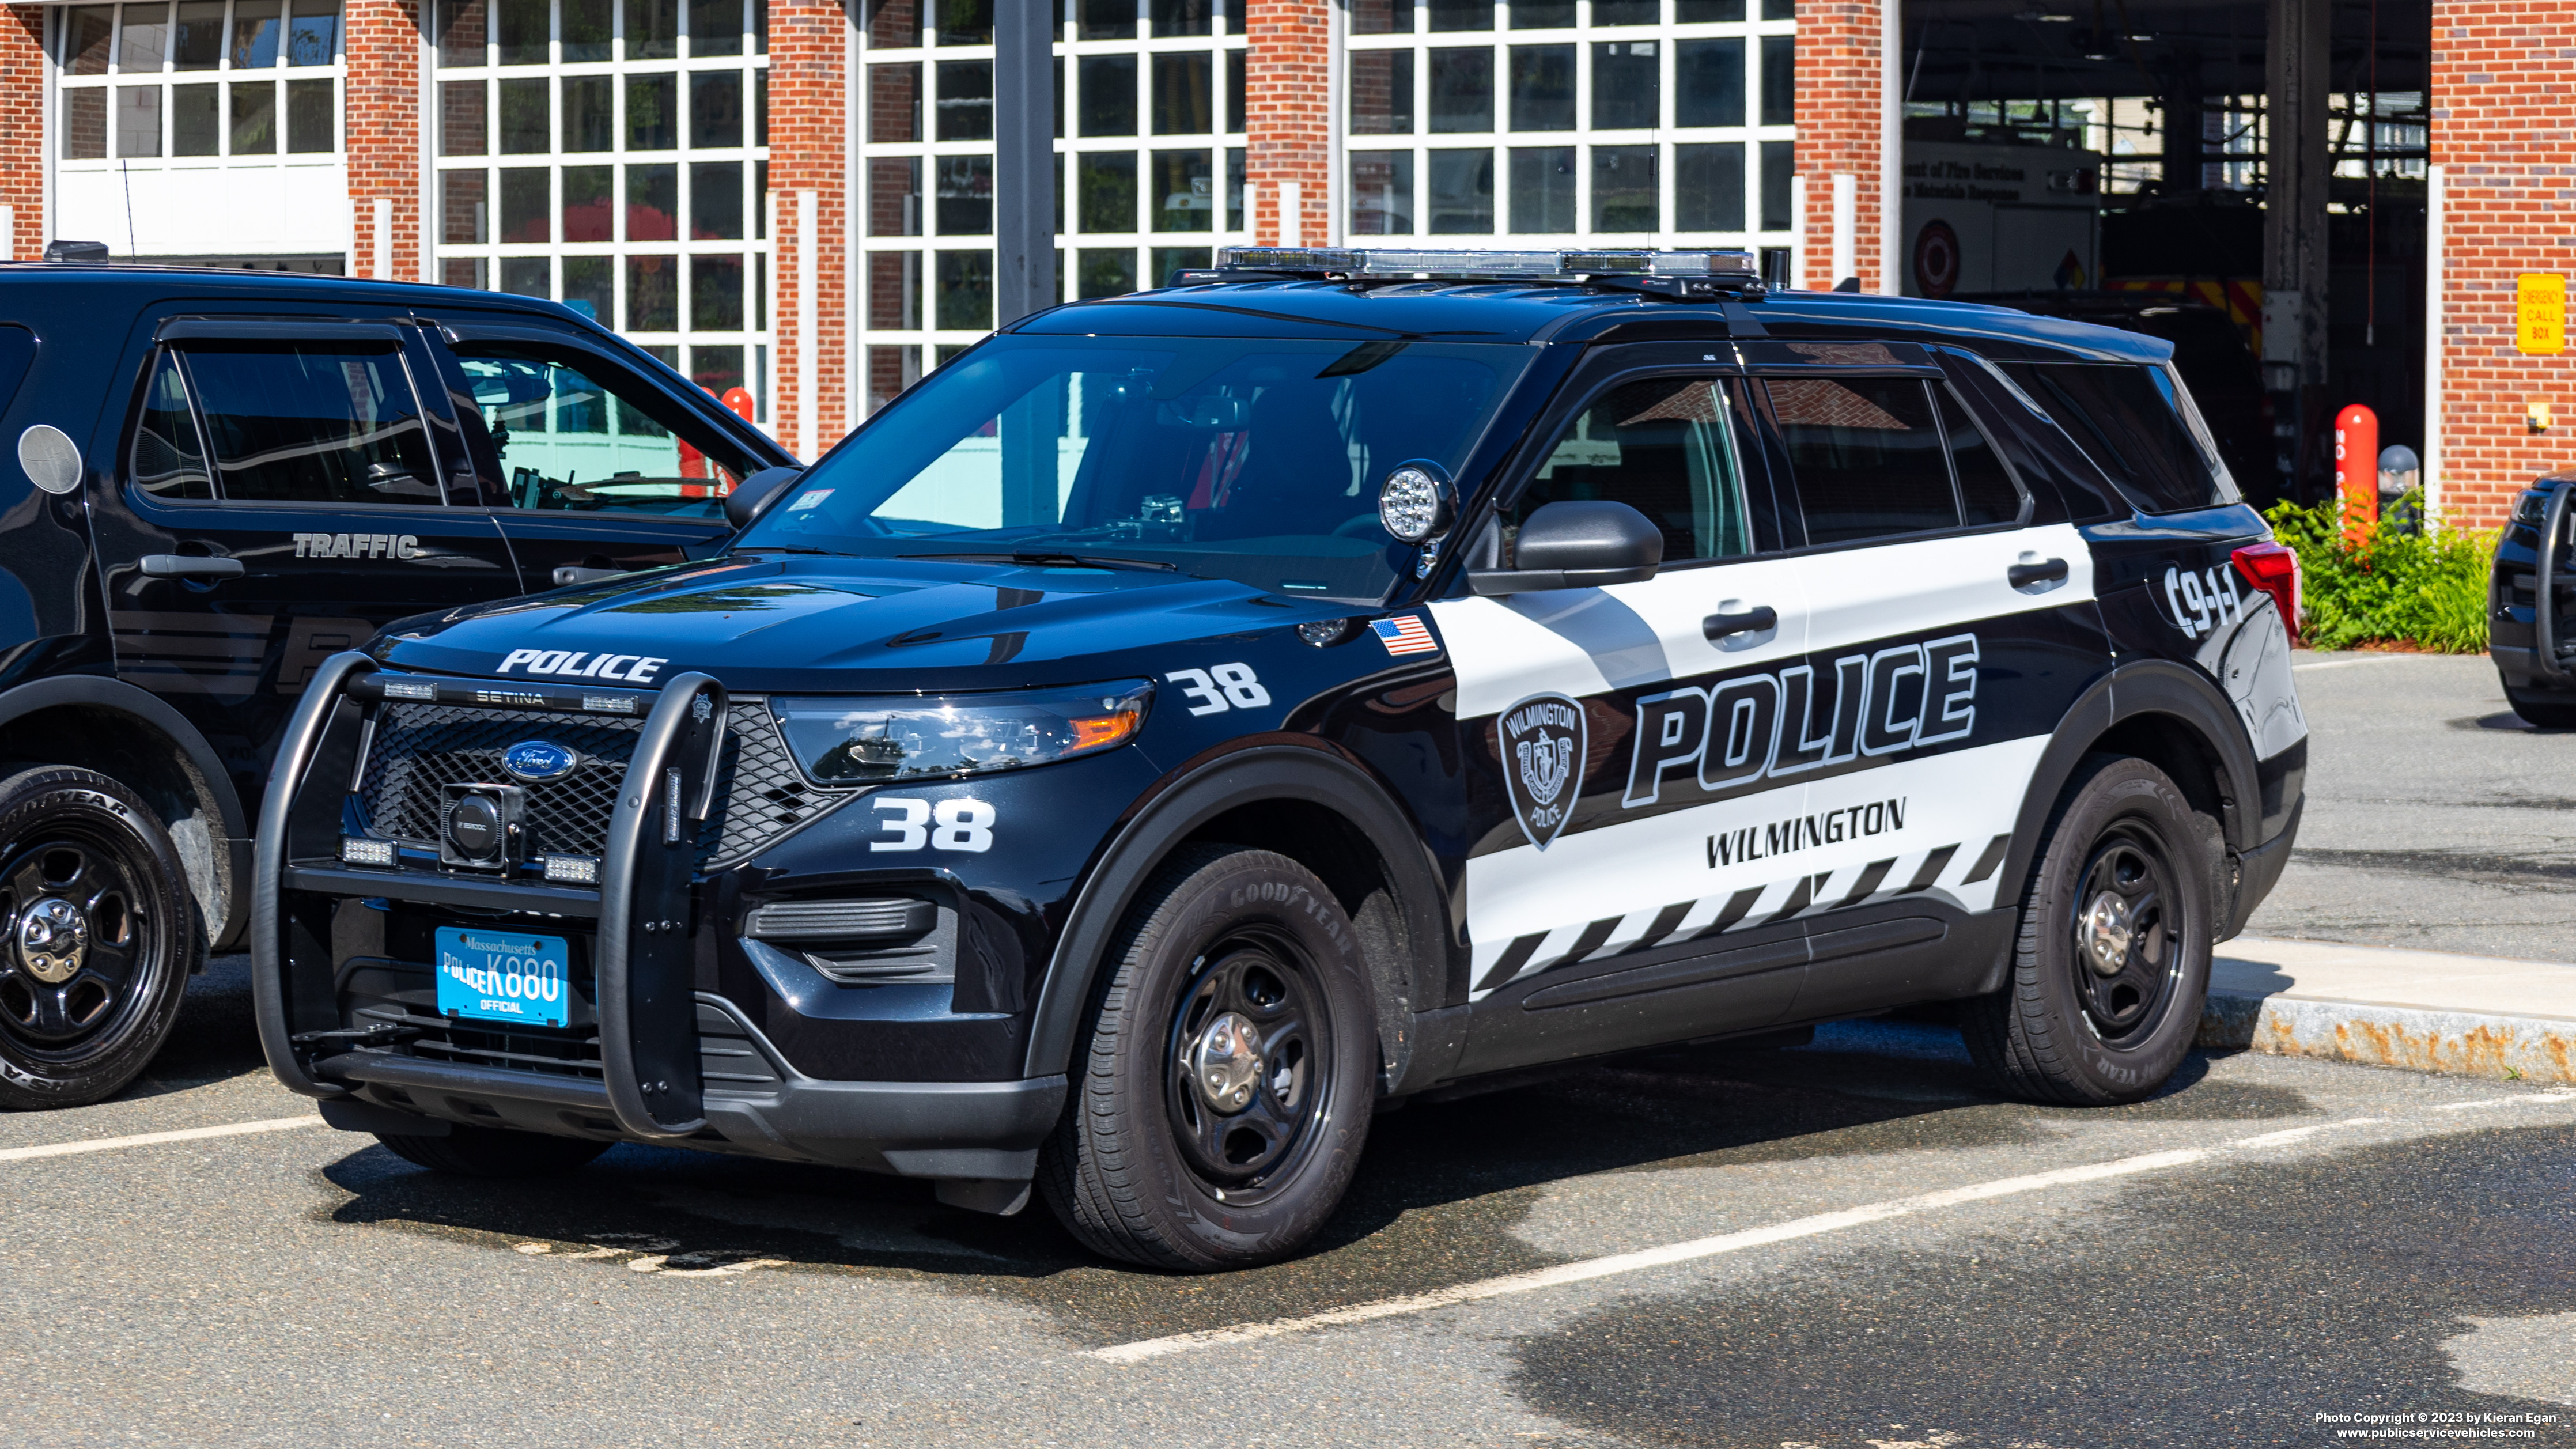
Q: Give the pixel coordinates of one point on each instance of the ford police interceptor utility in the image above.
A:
(213, 481)
(1190, 719)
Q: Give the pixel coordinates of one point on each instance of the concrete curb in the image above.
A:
(2505, 1048)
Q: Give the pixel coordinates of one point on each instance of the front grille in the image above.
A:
(420, 749)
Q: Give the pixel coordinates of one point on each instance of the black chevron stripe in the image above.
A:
(1870, 876)
(1665, 922)
(1987, 862)
(1801, 896)
(1590, 941)
(1737, 907)
(1930, 875)
(1514, 957)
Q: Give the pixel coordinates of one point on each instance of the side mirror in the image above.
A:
(1577, 544)
(752, 496)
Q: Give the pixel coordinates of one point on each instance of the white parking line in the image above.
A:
(1591, 1268)
(147, 1139)
(2348, 663)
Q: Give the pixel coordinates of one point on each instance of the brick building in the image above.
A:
(2346, 198)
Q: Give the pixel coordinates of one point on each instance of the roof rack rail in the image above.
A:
(1684, 275)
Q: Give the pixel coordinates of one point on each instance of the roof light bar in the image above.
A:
(1732, 267)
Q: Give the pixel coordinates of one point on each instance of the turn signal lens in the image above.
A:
(2275, 570)
(1099, 732)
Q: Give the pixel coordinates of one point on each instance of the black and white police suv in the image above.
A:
(1189, 720)
(214, 480)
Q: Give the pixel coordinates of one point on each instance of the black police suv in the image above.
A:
(2532, 646)
(219, 480)
(1189, 720)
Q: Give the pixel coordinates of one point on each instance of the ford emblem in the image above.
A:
(538, 760)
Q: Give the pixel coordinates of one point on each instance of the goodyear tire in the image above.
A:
(494, 1152)
(1223, 1088)
(101, 936)
(2112, 961)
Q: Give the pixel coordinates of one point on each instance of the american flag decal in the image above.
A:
(1405, 634)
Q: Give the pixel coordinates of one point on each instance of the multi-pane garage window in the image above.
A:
(1589, 122)
(1149, 126)
(241, 80)
(612, 155)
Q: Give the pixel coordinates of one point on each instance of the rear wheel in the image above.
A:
(2112, 961)
(101, 934)
(1222, 1093)
(494, 1152)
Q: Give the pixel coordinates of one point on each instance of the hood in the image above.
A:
(770, 623)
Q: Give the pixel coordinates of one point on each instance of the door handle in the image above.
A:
(2047, 571)
(1751, 621)
(570, 574)
(191, 566)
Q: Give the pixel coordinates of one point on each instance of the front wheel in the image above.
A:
(101, 936)
(1223, 1091)
(2112, 961)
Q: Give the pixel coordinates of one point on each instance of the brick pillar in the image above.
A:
(22, 131)
(380, 126)
(1289, 116)
(2504, 138)
(1841, 80)
(809, 54)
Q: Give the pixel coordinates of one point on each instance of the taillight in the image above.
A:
(2274, 569)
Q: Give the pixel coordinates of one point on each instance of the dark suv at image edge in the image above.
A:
(1187, 721)
(216, 481)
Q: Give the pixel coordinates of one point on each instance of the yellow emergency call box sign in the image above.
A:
(2540, 314)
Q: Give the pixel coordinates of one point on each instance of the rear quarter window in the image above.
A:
(17, 353)
(2134, 426)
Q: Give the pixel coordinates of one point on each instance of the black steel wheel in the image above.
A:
(2112, 961)
(100, 936)
(1222, 1093)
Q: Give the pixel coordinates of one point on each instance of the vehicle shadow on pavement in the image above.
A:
(214, 1039)
(1434, 1202)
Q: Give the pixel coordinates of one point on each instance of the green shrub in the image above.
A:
(2426, 588)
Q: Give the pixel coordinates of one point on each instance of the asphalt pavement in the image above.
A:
(1848, 1245)
(2436, 819)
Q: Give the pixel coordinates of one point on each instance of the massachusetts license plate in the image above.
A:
(503, 976)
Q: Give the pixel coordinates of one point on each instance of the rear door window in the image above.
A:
(1867, 455)
(2130, 420)
(169, 458)
(313, 423)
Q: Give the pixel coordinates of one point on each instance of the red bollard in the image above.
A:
(2356, 434)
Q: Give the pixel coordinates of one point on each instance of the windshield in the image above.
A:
(1250, 459)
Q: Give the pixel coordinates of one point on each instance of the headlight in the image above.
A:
(858, 740)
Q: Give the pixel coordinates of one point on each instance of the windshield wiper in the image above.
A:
(1056, 560)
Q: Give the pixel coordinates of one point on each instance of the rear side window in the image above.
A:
(17, 352)
(169, 462)
(2129, 421)
(1867, 456)
(313, 423)
(1986, 489)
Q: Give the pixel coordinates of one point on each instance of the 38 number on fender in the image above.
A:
(950, 825)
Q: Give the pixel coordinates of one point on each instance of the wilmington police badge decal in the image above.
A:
(1542, 739)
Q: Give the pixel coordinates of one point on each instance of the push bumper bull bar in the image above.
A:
(978, 1139)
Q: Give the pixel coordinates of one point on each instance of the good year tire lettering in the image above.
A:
(965, 825)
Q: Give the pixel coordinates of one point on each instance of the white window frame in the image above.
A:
(929, 343)
(677, 345)
(224, 76)
(1582, 35)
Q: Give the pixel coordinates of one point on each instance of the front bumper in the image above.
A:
(658, 1059)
